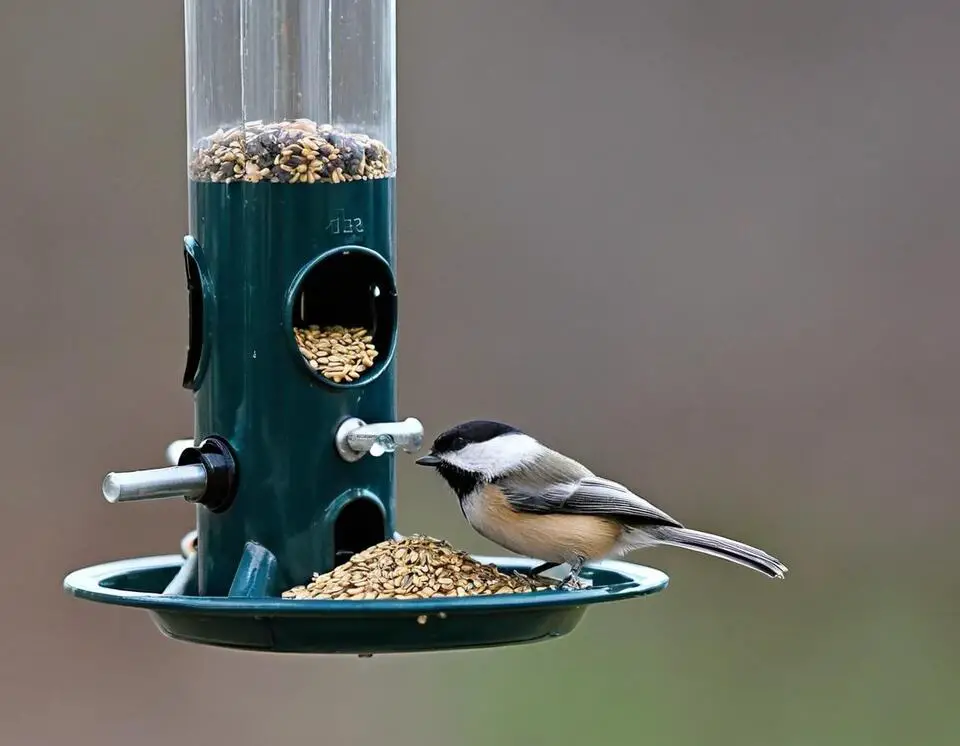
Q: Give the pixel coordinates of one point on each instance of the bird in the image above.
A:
(534, 501)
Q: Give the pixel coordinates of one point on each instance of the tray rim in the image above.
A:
(87, 583)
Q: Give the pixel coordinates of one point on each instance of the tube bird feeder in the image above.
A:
(290, 266)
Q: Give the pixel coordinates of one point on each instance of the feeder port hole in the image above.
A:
(359, 524)
(195, 327)
(343, 313)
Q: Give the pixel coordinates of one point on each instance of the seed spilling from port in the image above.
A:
(339, 354)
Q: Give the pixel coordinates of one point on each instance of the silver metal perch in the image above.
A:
(155, 484)
(355, 438)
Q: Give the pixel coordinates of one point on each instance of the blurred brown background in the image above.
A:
(711, 248)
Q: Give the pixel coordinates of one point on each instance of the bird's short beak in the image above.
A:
(428, 460)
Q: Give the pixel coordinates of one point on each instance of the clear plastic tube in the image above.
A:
(313, 77)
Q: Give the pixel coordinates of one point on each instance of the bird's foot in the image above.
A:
(573, 583)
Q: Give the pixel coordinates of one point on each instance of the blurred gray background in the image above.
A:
(711, 248)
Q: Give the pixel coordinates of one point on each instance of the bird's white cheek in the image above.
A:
(495, 456)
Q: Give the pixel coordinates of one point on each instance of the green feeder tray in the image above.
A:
(273, 624)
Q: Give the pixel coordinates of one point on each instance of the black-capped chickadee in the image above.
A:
(536, 502)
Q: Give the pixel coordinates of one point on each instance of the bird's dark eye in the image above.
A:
(459, 443)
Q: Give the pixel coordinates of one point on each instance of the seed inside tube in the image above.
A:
(336, 353)
(275, 149)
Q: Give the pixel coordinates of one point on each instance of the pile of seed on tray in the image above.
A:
(337, 352)
(290, 152)
(414, 567)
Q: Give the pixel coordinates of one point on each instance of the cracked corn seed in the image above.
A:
(411, 568)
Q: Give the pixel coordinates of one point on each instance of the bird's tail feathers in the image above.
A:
(719, 546)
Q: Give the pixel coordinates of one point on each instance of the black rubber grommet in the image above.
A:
(217, 459)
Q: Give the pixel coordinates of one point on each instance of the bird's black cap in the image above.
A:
(473, 431)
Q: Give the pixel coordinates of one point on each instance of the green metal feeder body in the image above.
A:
(290, 270)
(292, 134)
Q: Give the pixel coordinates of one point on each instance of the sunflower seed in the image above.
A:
(336, 352)
(415, 567)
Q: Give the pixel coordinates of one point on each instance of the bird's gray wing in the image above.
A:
(589, 495)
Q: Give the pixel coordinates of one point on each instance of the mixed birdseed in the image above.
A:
(289, 152)
(414, 567)
(338, 353)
